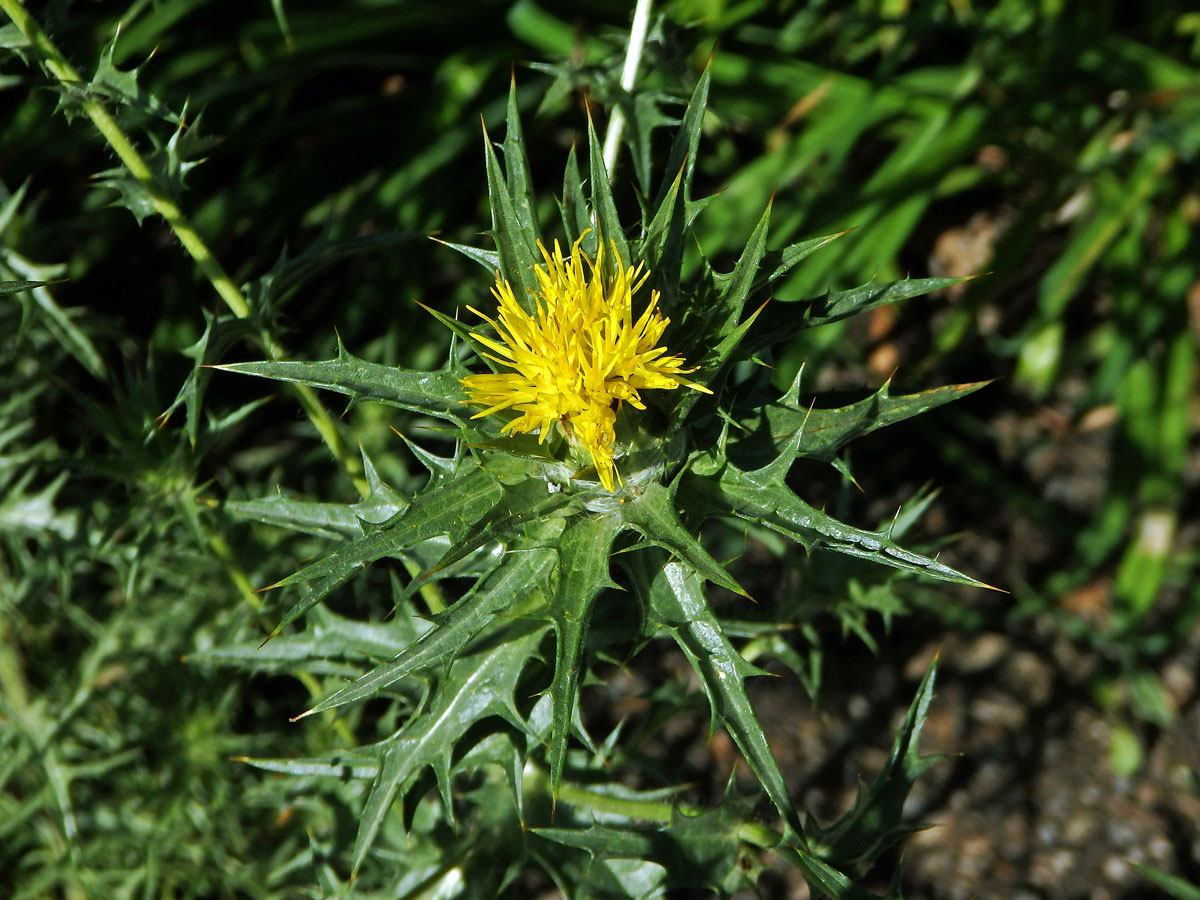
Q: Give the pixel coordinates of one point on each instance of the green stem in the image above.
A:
(578, 796)
(633, 57)
(62, 72)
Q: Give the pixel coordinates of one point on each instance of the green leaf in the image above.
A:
(735, 287)
(827, 880)
(695, 850)
(763, 497)
(783, 261)
(507, 586)
(516, 240)
(478, 686)
(489, 259)
(35, 515)
(329, 520)
(583, 563)
(785, 319)
(519, 504)
(36, 278)
(676, 599)
(662, 246)
(443, 510)
(121, 87)
(12, 287)
(341, 764)
(516, 164)
(1176, 887)
(331, 644)
(821, 433)
(655, 517)
(682, 158)
(573, 205)
(436, 394)
(608, 224)
(874, 823)
(220, 333)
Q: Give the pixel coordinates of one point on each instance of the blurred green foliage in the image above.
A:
(1050, 144)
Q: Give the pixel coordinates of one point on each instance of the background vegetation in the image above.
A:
(1052, 145)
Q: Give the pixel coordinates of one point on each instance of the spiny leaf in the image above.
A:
(121, 86)
(521, 503)
(330, 520)
(436, 394)
(662, 246)
(821, 433)
(654, 515)
(508, 585)
(608, 224)
(220, 333)
(331, 644)
(783, 261)
(583, 563)
(677, 600)
(343, 764)
(443, 510)
(715, 365)
(686, 143)
(840, 304)
(516, 163)
(762, 497)
(12, 287)
(827, 880)
(573, 205)
(516, 240)
(785, 319)
(873, 823)
(735, 287)
(695, 849)
(489, 259)
(477, 687)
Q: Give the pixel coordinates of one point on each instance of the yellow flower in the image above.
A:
(581, 353)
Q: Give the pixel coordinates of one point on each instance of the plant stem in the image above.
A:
(633, 57)
(538, 780)
(62, 72)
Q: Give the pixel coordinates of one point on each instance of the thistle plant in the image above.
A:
(611, 403)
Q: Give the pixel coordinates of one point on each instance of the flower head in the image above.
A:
(579, 354)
